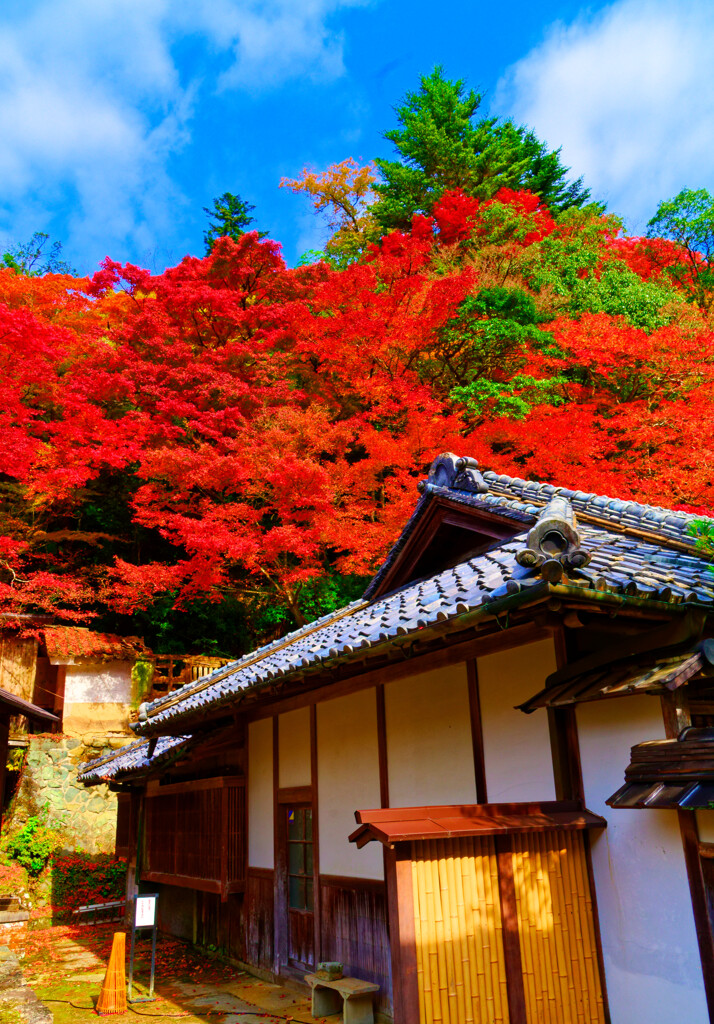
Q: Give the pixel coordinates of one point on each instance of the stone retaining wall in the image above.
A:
(49, 778)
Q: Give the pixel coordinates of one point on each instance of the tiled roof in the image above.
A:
(634, 551)
(630, 516)
(78, 642)
(132, 759)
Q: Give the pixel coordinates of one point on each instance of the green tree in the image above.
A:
(231, 216)
(37, 257)
(688, 220)
(443, 145)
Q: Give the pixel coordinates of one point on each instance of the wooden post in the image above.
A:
(511, 936)
(316, 893)
(280, 906)
(4, 745)
(476, 731)
(402, 937)
(676, 716)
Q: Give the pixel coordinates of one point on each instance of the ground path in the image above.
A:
(66, 966)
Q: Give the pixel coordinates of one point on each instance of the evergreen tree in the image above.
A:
(229, 216)
(442, 145)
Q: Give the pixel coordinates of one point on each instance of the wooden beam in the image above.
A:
(476, 731)
(402, 935)
(295, 795)
(154, 788)
(352, 883)
(186, 882)
(511, 937)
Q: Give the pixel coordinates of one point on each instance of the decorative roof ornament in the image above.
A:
(553, 544)
(456, 474)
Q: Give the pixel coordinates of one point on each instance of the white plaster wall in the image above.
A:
(517, 754)
(98, 684)
(348, 781)
(429, 747)
(260, 794)
(294, 748)
(652, 965)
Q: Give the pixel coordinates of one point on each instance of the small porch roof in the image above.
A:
(646, 672)
(405, 824)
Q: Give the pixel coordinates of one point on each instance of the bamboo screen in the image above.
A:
(459, 945)
(555, 920)
(197, 834)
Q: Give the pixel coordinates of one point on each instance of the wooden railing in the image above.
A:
(195, 835)
(172, 671)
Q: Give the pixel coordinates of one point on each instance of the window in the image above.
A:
(300, 858)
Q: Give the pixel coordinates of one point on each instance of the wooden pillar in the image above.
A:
(476, 731)
(4, 745)
(316, 891)
(280, 906)
(402, 935)
(511, 936)
(676, 716)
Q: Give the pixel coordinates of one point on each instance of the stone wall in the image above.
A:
(49, 778)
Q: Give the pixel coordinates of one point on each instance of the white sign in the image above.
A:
(145, 913)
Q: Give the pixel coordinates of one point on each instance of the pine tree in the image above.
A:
(442, 145)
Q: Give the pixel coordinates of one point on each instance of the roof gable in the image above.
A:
(450, 524)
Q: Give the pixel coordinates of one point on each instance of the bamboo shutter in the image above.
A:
(461, 971)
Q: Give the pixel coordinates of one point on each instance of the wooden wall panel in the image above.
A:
(221, 923)
(354, 932)
(258, 916)
(18, 659)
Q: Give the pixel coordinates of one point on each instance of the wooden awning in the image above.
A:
(14, 705)
(654, 672)
(404, 824)
(670, 773)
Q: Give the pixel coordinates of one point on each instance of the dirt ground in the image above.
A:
(66, 966)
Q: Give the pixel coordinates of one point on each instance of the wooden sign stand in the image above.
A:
(144, 916)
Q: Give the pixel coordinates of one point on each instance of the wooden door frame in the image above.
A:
(299, 796)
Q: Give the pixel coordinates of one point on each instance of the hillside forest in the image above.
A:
(215, 454)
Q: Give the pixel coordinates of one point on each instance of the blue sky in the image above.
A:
(121, 119)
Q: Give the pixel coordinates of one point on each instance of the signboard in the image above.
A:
(144, 917)
(145, 912)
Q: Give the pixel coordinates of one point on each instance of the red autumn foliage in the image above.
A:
(232, 426)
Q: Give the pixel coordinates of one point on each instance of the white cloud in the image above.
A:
(93, 103)
(629, 95)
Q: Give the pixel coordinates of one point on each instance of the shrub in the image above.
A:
(33, 844)
(79, 879)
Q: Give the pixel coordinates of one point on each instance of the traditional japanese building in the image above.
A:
(486, 787)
